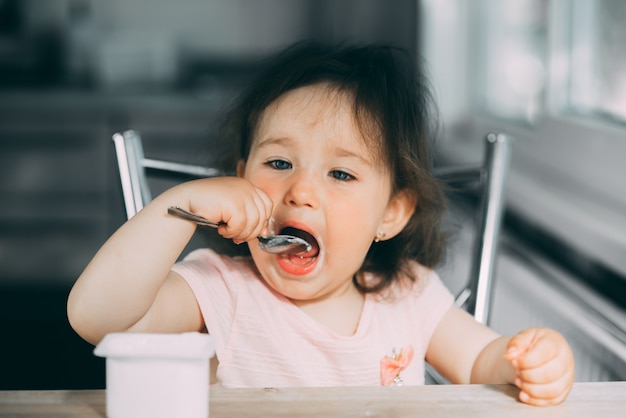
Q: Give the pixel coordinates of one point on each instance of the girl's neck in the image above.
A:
(340, 313)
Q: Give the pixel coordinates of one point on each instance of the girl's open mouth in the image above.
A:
(300, 263)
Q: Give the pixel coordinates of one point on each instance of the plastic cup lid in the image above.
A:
(188, 345)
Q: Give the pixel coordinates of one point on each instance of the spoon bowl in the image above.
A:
(273, 244)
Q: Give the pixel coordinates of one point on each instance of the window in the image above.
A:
(513, 36)
(551, 73)
(598, 58)
(572, 52)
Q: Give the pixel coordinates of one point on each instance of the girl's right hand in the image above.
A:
(243, 208)
(128, 285)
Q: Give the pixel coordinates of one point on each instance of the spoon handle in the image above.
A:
(275, 244)
(184, 214)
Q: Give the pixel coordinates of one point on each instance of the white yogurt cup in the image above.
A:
(157, 375)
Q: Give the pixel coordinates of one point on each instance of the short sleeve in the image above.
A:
(434, 300)
(214, 281)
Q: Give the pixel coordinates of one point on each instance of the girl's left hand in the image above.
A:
(544, 366)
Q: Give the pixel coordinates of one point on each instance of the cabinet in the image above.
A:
(60, 200)
(59, 185)
(55, 191)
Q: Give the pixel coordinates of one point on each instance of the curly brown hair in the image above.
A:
(396, 113)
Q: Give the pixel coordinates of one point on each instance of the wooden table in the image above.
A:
(596, 400)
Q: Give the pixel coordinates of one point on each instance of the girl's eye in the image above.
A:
(341, 175)
(279, 164)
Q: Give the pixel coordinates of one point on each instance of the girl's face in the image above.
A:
(308, 155)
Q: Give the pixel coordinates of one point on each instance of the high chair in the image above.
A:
(491, 175)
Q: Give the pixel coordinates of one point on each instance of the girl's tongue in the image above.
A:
(306, 258)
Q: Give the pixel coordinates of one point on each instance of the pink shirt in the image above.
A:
(263, 340)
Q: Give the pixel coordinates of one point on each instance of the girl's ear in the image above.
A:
(241, 167)
(397, 215)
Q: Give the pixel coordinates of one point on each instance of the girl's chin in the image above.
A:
(296, 296)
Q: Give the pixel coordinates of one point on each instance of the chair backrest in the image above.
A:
(476, 297)
(491, 175)
(132, 165)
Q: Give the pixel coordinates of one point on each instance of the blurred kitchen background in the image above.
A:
(551, 73)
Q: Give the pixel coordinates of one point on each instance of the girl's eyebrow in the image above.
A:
(346, 153)
(338, 151)
(274, 141)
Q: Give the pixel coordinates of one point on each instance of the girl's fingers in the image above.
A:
(544, 366)
(265, 202)
(243, 208)
(257, 213)
(266, 207)
(247, 224)
(545, 393)
(534, 348)
(526, 398)
(245, 214)
(548, 372)
(520, 342)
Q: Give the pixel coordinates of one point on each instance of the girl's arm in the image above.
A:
(128, 284)
(538, 361)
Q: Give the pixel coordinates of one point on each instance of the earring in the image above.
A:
(379, 236)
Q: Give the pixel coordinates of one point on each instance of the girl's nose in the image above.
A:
(303, 190)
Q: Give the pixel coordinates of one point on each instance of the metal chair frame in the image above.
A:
(492, 174)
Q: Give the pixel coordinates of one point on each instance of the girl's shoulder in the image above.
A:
(421, 282)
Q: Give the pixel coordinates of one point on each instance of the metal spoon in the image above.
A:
(273, 244)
